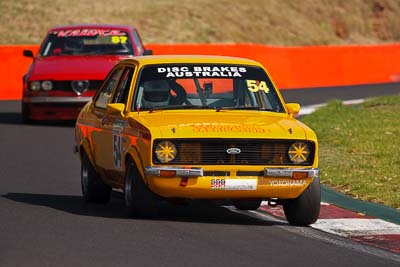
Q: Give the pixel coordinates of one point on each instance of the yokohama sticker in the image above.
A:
(289, 183)
(234, 184)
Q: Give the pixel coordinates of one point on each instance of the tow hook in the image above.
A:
(273, 202)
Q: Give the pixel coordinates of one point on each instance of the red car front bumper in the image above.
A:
(52, 108)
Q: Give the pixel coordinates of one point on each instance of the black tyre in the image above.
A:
(93, 188)
(25, 114)
(247, 204)
(139, 199)
(304, 210)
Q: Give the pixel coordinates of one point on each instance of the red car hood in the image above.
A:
(72, 67)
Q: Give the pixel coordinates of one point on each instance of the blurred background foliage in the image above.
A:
(270, 22)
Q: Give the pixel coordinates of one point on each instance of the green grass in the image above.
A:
(359, 148)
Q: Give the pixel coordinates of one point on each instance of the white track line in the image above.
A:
(356, 227)
(311, 108)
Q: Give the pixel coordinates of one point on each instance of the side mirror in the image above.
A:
(116, 108)
(293, 108)
(147, 52)
(28, 53)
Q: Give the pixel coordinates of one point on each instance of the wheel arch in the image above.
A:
(84, 147)
(134, 155)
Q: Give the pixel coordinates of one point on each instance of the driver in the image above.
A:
(156, 93)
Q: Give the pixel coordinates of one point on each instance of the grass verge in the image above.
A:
(358, 148)
(270, 22)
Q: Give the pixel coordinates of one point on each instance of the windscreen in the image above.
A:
(177, 86)
(87, 42)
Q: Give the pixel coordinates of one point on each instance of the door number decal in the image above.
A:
(117, 149)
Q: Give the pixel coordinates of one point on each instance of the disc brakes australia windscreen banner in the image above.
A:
(213, 80)
(190, 71)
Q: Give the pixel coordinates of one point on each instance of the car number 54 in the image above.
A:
(117, 158)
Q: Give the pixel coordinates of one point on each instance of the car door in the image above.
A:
(101, 141)
(110, 158)
(116, 122)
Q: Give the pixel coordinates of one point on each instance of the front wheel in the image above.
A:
(304, 210)
(25, 114)
(139, 199)
(93, 188)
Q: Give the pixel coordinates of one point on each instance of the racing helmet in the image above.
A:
(156, 93)
(73, 44)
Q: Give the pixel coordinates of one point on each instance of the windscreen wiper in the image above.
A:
(172, 107)
(244, 108)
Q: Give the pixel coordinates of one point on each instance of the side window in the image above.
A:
(121, 95)
(138, 43)
(104, 96)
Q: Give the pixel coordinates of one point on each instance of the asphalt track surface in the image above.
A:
(44, 221)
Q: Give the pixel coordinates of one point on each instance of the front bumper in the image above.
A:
(56, 99)
(53, 108)
(181, 182)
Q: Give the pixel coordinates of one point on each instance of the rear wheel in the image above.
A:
(304, 210)
(248, 204)
(93, 188)
(139, 199)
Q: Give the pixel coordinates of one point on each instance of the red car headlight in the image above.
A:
(41, 85)
(47, 85)
(34, 86)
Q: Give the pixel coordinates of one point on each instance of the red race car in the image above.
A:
(71, 64)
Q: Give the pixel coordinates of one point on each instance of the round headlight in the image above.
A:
(166, 151)
(47, 85)
(299, 152)
(34, 86)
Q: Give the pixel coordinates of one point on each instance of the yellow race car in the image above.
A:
(197, 127)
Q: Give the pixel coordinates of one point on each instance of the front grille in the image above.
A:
(67, 87)
(252, 152)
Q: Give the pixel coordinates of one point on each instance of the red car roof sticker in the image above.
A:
(88, 32)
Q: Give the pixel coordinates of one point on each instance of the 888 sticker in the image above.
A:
(217, 184)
